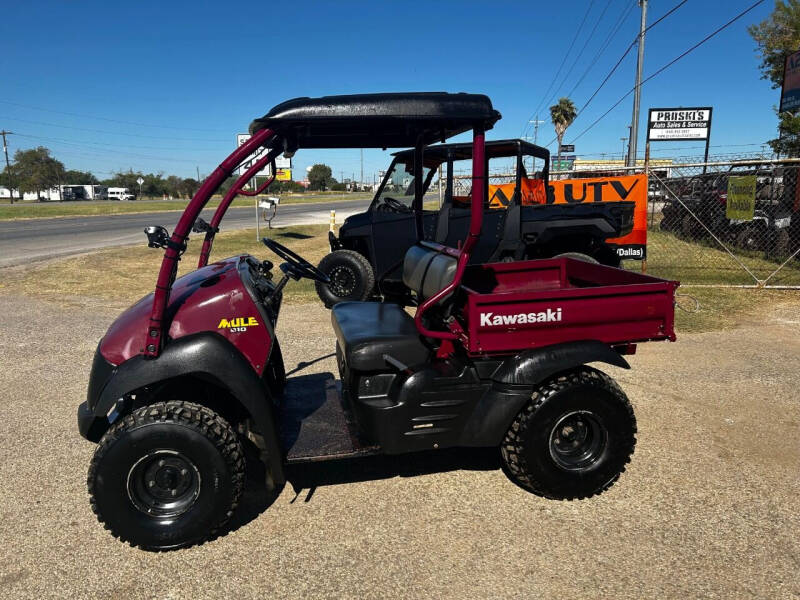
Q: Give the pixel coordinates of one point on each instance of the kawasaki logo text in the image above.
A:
(549, 316)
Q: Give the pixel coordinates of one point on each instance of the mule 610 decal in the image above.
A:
(237, 324)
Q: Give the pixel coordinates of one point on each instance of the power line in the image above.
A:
(152, 137)
(669, 64)
(115, 145)
(624, 54)
(626, 11)
(71, 114)
(561, 66)
(583, 48)
(104, 151)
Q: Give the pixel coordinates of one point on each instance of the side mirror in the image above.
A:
(201, 226)
(157, 236)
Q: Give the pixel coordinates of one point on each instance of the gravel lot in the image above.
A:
(707, 509)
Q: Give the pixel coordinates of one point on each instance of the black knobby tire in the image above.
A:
(689, 227)
(578, 256)
(159, 449)
(782, 246)
(537, 455)
(351, 278)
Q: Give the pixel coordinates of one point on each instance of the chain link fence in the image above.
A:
(732, 222)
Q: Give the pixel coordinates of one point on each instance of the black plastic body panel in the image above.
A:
(207, 356)
(513, 382)
(457, 402)
(423, 409)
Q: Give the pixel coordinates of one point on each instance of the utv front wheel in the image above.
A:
(166, 476)
(574, 437)
(351, 278)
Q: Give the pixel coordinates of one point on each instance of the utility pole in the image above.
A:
(623, 140)
(361, 181)
(637, 92)
(198, 174)
(4, 133)
(535, 137)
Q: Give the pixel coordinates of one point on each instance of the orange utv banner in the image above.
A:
(628, 188)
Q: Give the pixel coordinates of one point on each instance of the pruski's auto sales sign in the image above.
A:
(679, 124)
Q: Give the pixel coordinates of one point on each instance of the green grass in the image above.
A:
(38, 210)
(728, 308)
(692, 263)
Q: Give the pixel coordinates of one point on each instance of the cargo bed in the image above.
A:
(516, 306)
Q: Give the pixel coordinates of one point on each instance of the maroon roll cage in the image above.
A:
(377, 120)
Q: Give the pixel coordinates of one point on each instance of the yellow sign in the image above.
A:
(741, 203)
(283, 175)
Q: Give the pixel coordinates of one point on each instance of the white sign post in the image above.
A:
(140, 181)
(281, 162)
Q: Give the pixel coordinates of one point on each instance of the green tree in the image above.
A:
(788, 143)
(562, 115)
(73, 177)
(320, 177)
(189, 187)
(35, 170)
(173, 186)
(126, 179)
(154, 185)
(777, 37)
(6, 181)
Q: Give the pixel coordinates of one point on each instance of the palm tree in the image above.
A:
(562, 115)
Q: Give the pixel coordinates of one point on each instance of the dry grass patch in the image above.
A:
(123, 275)
(120, 276)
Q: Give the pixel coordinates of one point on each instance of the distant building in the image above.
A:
(661, 166)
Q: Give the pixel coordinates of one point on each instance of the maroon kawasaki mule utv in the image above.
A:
(494, 356)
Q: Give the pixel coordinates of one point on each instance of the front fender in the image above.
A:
(513, 381)
(206, 355)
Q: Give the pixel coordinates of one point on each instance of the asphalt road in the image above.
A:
(39, 239)
(706, 509)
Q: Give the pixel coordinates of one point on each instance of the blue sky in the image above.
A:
(186, 77)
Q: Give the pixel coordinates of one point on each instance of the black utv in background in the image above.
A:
(367, 257)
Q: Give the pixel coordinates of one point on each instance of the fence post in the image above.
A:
(333, 221)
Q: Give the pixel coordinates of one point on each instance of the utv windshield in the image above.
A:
(398, 187)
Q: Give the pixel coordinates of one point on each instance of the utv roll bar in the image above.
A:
(236, 189)
(355, 121)
(476, 220)
(177, 243)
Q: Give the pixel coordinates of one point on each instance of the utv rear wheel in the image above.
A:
(166, 476)
(574, 437)
(351, 278)
(578, 256)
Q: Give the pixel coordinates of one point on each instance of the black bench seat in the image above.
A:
(366, 331)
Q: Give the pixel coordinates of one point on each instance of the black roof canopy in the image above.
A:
(377, 120)
(435, 155)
